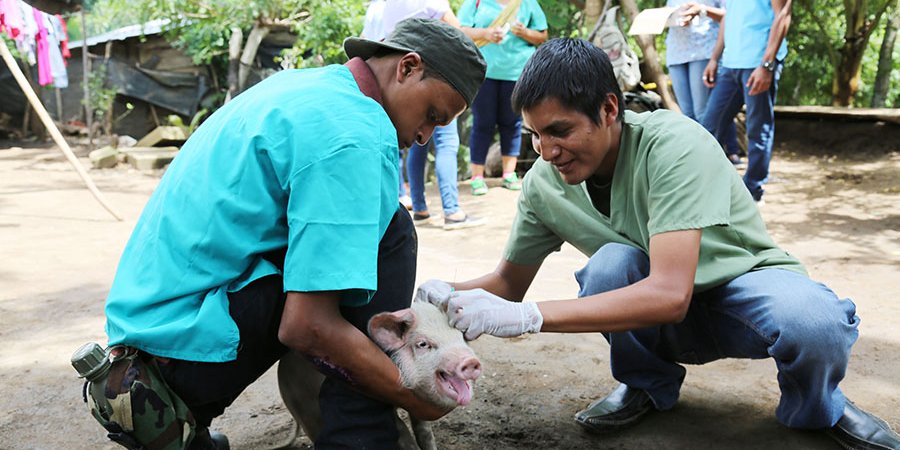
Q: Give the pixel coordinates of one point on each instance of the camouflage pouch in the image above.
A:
(137, 408)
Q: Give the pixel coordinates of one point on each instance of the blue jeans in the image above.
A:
(769, 313)
(692, 96)
(492, 109)
(725, 101)
(401, 171)
(446, 146)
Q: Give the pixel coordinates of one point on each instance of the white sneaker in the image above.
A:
(406, 201)
(467, 221)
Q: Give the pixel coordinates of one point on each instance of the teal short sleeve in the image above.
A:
(466, 13)
(537, 20)
(333, 223)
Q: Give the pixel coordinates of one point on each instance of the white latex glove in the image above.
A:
(436, 292)
(478, 311)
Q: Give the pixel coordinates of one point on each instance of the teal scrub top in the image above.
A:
(505, 60)
(302, 160)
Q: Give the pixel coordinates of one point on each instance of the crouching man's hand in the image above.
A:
(436, 292)
(477, 312)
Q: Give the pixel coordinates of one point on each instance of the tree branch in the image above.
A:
(832, 51)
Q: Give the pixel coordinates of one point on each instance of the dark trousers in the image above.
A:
(492, 109)
(349, 418)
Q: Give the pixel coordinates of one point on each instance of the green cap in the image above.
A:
(442, 47)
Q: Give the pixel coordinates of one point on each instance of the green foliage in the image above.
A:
(100, 97)
(319, 38)
(816, 34)
(809, 68)
(202, 29)
(564, 18)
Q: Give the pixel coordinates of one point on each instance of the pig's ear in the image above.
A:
(388, 329)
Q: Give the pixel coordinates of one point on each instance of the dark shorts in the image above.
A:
(349, 419)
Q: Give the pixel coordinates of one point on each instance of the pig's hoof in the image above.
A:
(620, 409)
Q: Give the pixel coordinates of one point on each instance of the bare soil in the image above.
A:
(837, 209)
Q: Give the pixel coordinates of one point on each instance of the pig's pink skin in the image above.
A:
(433, 357)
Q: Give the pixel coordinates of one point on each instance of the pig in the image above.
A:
(433, 358)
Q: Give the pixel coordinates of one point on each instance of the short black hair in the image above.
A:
(574, 72)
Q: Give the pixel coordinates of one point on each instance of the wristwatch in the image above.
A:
(703, 11)
(769, 65)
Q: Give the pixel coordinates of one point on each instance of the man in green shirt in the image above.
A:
(681, 267)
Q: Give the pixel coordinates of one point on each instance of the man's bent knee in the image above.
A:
(612, 267)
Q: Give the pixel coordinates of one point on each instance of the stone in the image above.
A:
(104, 158)
(150, 158)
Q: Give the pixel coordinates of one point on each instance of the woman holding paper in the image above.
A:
(689, 45)
(507, 31)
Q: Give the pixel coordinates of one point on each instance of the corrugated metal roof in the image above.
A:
(150, 28)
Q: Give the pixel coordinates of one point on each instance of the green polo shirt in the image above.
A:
(303, 160)
(670, 175)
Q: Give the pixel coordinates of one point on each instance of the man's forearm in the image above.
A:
(720, 44)
(510, 281)
(780, 25)
(312, 325)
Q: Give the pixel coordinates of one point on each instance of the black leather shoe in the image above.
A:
(620, 409)
(859, 430)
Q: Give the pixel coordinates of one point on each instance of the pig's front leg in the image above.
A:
(405, 440)
(299, 383)
(424, 434)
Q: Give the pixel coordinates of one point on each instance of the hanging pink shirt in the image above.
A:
(45, 73)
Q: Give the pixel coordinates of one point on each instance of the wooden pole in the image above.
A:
(51, 127)
(59, 106)
(86, 73)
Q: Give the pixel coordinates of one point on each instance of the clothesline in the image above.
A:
(40, 38)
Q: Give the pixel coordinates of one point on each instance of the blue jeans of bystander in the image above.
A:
(446, 146)
(726, 99)
(692, 96)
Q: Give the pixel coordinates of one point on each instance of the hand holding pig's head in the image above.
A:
(433, 358)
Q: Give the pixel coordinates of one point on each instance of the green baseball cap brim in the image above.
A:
(442, 47)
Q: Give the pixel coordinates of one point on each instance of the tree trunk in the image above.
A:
(234, 62)
(592, 12)
(885, 58)
(257, 34)
(845, 83)
(651, 59)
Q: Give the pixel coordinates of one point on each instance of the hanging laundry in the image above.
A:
(57, 64)
(45, 75)
(64, 39)
(25, 43)
(11, 18)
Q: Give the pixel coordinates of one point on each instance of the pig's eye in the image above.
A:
(423, 344)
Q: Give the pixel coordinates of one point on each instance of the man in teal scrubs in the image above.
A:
(277, 227)
(681, 268)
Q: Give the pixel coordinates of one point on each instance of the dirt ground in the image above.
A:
(837, 210)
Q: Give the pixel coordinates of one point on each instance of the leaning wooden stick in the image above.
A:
(51, 127)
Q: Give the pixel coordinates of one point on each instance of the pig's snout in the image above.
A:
(469, 368)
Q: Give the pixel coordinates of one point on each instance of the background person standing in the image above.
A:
(753, 39)
(446, 138)
(508, 32)
(688, 48)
